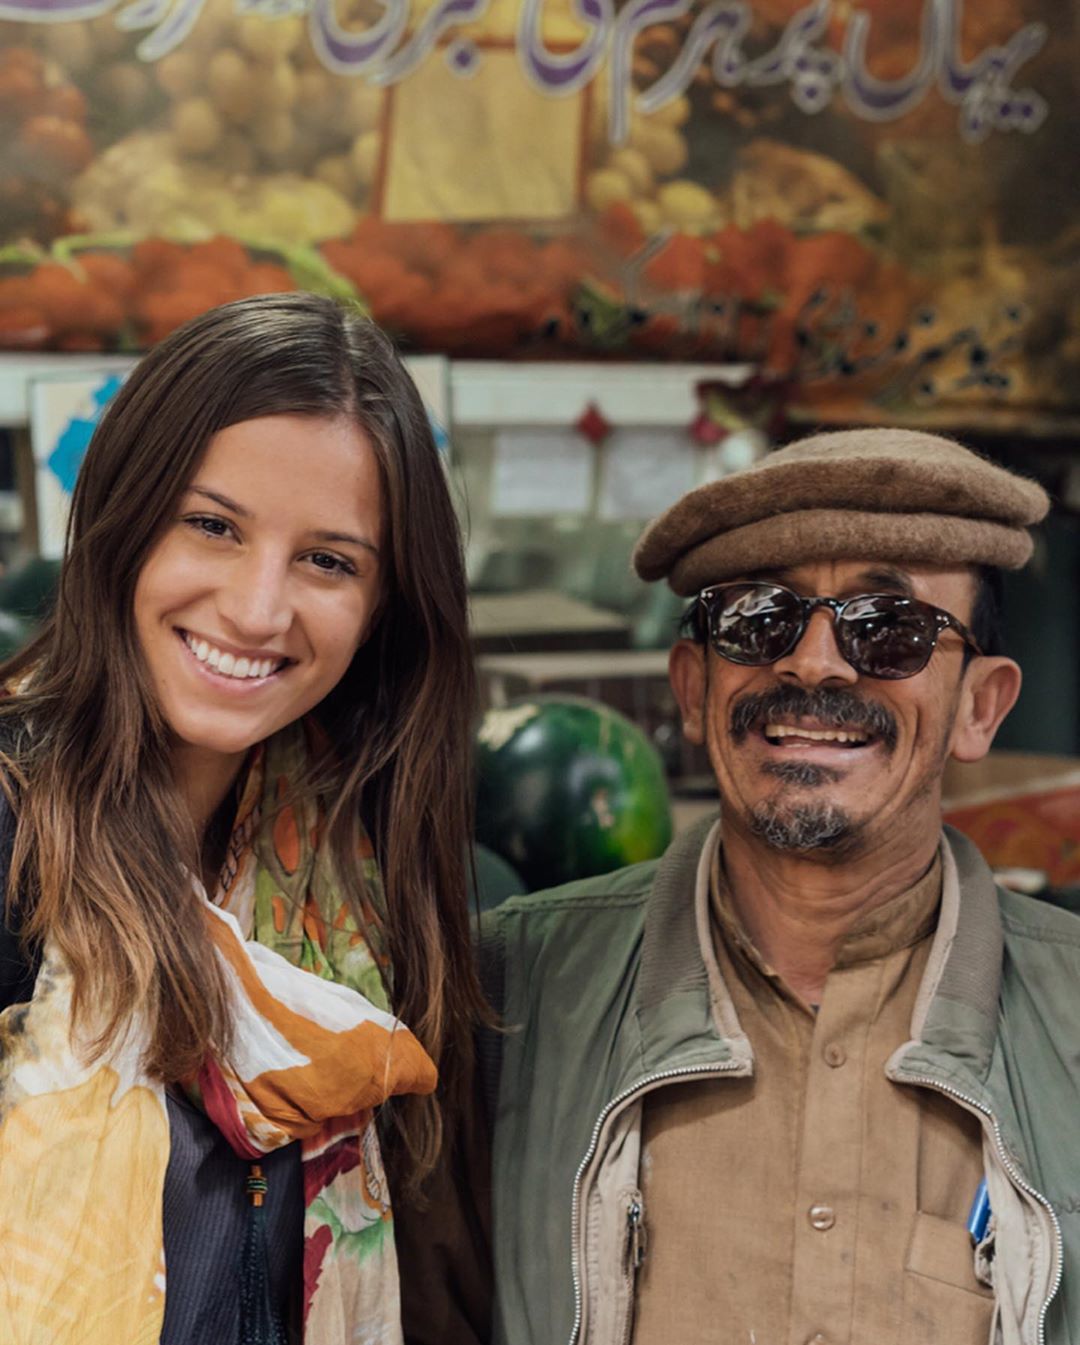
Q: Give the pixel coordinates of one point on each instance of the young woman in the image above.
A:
(236, 768)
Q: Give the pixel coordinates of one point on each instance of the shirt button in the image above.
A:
(822, 1217)
(834, 1054)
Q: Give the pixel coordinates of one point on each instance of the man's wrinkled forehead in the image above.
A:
(846, 578)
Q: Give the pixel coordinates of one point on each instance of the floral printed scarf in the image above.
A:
(83, 1148)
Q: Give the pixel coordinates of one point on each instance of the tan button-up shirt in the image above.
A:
(816, 1203)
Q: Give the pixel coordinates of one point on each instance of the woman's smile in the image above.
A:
(226, 665)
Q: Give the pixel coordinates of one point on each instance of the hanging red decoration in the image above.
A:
(594, 425)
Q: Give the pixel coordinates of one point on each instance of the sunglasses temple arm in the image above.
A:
(964, 633)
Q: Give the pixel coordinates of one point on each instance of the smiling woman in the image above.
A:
(234, 757)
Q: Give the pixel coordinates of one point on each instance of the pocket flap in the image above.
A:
(942, 1250)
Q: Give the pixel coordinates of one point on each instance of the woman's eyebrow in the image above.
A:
(349, 538)
(223, 500)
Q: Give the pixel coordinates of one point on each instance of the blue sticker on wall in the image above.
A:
(73, 441)
(438, 430)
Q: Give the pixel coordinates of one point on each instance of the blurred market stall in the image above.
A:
(873, 203)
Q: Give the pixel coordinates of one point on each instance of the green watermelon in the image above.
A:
(568, 788)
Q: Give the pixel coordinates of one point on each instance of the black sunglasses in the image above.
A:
(880, 634)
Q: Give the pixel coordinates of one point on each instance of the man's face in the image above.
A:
(813, 757)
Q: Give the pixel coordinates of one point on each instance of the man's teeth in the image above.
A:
(782, 731)
(228, 664)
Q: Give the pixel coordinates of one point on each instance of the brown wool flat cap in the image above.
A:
(864, 494)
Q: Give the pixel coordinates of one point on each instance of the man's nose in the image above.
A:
(816, 659)
(255, 601)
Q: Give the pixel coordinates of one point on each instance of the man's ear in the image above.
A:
(987, 694)
(686, 669)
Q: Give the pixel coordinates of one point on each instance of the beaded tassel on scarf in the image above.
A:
(259, 1324)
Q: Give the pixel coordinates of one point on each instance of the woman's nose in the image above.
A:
(255, 600)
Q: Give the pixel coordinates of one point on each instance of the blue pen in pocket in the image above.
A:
(979, 1217)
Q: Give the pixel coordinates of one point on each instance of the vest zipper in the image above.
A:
(1015, 1177)
(642, 1086)
(637, 1239)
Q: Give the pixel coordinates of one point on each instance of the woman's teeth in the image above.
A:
(778, 732)
(227, 664)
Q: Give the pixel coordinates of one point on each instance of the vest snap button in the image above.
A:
(822, 1217)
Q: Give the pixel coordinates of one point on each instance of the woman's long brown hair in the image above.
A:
(103, 841)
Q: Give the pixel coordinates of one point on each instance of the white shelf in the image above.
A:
(482, 392)
(493, 393)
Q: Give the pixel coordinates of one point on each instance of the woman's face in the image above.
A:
(253, 602)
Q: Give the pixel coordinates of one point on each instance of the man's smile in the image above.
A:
(803, 751)
(798, 734)
(830, 724)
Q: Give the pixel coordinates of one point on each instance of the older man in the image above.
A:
(812, 1079)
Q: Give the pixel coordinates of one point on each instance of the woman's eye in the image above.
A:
(208, 525)
(326, 560)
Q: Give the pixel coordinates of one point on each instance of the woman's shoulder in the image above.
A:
(13, 725)
(15, 742)
(12, 960)
(18, 971)
(12, 731)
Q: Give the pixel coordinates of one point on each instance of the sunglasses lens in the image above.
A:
(754, 623)
(888, 637)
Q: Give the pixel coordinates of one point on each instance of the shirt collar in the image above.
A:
(900, 922)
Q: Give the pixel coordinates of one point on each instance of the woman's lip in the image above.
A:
(252, 655)
(222, 681)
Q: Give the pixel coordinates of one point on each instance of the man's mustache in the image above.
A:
(831, 707)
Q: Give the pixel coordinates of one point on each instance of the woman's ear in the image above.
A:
(987, 694)
(686, 671)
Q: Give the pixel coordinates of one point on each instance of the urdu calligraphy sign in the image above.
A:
(839, 192)
(392, 49)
